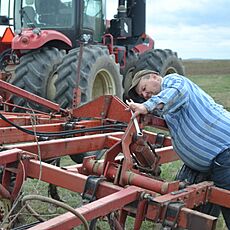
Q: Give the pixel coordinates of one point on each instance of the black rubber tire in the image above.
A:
(36, 73)
(190, 176)
(99, 75)
(127, 72)
(98, 70)
(162, 61)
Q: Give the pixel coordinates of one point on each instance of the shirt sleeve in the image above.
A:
(173, 95)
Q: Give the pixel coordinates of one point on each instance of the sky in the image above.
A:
(192, 28)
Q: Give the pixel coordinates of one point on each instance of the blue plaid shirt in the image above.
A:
(199, 127)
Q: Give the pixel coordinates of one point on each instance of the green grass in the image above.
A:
(217, 86)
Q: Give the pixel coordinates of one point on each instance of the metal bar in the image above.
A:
(11, 134)
(67, 146)
(154, 121)
(23, 119)
(148, 183)
(151, 137)
(93, 210)
(219, 196)
(192, 196)
(29, 96)
(66, 179)
(92, 166)
(77, 90)
(9, 156)
(167, 154)
(188, 218)
(140, 215)
(116, 111)
(135, 122)
(193, 220)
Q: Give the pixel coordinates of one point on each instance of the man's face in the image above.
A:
(147, 87)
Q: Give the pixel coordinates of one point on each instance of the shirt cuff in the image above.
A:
(149, 106)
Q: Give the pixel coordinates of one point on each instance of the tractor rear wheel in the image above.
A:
(127, 71)
(162, 61)
(36, 73)
(99, 75)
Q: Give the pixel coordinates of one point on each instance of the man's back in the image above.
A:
(200, 128)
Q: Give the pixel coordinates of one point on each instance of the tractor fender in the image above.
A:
(35, 38)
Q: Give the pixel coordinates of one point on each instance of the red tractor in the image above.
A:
(64, 44)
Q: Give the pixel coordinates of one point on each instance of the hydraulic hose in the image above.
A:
(57, 203)
(113, 127)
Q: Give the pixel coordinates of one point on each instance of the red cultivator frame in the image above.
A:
(127, 180)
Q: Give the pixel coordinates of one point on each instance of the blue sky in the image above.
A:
(193, 28)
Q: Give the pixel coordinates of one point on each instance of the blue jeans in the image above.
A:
(220, 174)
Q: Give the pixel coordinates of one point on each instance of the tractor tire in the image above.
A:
(163, 61)
(36, 73)
(99, 75)
(127, 71)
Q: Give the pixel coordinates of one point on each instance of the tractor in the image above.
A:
(65, 45)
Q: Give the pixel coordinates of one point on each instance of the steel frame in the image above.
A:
(125, 189)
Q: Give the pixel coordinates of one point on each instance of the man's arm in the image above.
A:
(173, 96)
(138, 108)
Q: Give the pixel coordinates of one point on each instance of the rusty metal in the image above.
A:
(129, 184)
(29, 96)
(77, 90)
(144, 154)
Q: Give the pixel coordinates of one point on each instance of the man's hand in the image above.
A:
(137, 108)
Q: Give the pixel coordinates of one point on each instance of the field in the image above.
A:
(213, 76)
(207, 67)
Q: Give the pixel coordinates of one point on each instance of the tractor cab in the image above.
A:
(69, 17)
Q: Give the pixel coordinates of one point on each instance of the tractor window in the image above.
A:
(47, 14)
(93, 18)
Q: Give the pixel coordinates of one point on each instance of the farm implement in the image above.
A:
(122, 179)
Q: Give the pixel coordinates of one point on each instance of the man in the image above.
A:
(199, 127)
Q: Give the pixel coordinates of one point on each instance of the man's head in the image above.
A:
(146, 83)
